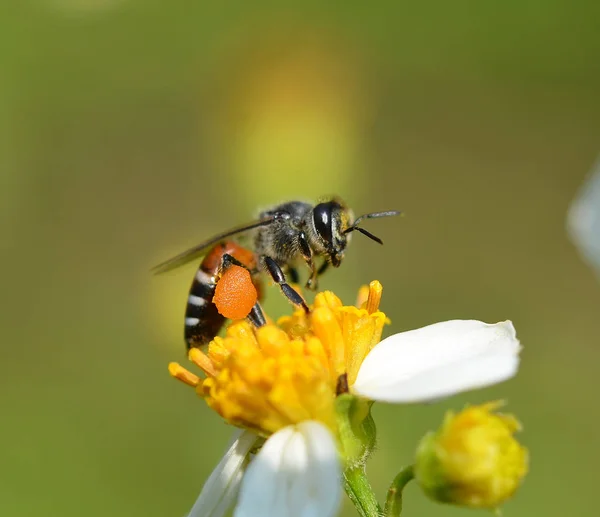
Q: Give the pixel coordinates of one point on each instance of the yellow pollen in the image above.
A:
(201, 360)
(179, 372)
(282, 374)
(374, 298)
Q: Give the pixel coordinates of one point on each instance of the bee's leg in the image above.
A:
(307, 255)
(323, 268)
(230, 260)
(256, 316)
(279, 278)
(294, 275)
(313, 281)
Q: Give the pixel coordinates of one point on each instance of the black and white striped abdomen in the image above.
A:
(202, 320)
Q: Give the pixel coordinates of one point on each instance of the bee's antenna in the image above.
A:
(373, 215)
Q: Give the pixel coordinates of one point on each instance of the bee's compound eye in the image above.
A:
(235, 294)
(322, 215)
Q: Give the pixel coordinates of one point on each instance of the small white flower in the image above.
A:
(297, 472)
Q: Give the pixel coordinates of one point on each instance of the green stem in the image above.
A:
(360, 492)
(393, 504)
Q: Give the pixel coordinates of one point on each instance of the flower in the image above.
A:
(282, 383)
(473, 459)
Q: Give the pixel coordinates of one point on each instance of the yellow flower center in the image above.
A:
(267, 378)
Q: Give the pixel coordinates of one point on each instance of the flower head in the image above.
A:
(279, 375)
(282, 381)
(473, 459)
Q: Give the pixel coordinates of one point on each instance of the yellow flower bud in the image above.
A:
(473, 459)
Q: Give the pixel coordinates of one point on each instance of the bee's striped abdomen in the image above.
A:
(202, 319)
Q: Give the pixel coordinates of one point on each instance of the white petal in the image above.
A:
(296, 474)
(438, 361)
(222, 486)
(584, 219)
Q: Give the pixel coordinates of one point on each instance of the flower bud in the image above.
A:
(473, 459)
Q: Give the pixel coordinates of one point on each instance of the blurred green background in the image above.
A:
(132, 129)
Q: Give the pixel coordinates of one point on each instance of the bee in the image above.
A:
(285, 236)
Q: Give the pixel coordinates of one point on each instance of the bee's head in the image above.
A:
(330, 221)
(333, 223)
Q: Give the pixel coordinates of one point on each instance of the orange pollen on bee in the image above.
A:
(235, 294)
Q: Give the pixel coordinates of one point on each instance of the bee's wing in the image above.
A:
(199, 250)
